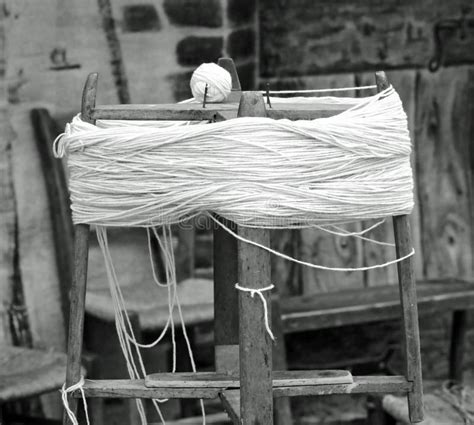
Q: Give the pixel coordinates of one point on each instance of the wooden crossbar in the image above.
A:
(212, 112)
(136, 388)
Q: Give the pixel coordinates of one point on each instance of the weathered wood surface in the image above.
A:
(408, 301)
(46, 130)
(352, 36)
(36, 251)
(281, 378)
(361, 385)
(77, 303)
(442, 145)
(212, 111)
(255, 345)
(126, 388)
(322, 311)
(406, 282)
(7, 208)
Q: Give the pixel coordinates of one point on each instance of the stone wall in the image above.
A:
(163, 41)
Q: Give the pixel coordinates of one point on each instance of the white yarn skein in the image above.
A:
(218, 80)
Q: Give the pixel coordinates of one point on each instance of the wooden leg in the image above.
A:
(458, 340)
(226, 310)
(406, 278)
(256, 394)
(76, 315)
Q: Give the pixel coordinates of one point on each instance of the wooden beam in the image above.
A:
(135, 388)
(212, 111)
(79, 281)
(361, 385)
(256, 398)
(130, 388)
(330, 310)
(406, 280)
(281, 378)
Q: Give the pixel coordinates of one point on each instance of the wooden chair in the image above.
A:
(27, 372)
(241, 342)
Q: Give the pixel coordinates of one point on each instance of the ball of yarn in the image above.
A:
(218, 80)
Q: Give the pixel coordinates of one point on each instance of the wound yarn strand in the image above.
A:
(257, 172)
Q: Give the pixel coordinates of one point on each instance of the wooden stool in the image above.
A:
(244, 379)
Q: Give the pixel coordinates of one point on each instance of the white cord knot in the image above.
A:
(259, 291)
(64, 393)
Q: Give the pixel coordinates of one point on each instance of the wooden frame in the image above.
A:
(242, 343)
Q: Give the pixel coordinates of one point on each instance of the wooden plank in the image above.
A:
(35, 250)
(321, 311)
(361, 385)
(226, 299)
(212, 112)
(7, 204)
(46, 131)
(443, 137)
(256, 400)
(359, 36)
(79, 280)
(405, 83)
(231, 403)
(411, 332)
(406, 281)
(135, 388)
(281, 378)
(126, 388)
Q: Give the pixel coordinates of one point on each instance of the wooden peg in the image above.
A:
(89, 95)
(205, 96)
(229, 65)
(268, 95)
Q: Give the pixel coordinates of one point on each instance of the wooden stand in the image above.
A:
(244, 378)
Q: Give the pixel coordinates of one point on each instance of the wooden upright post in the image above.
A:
(256, 394)
(226, 310)
(406, 279)
(79, 281)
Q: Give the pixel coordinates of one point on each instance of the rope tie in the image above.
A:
(64, 393)
(252, 292)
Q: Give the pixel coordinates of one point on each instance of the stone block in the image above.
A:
(201, 13)
(241, 11)
(196, 50)
(241, 44)
(140, 18)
